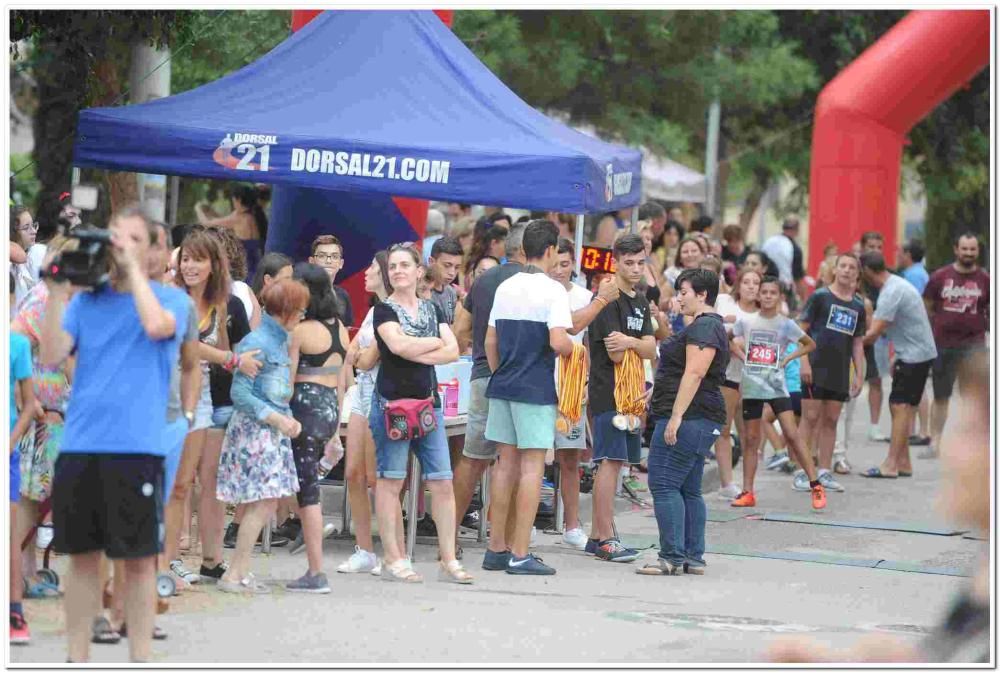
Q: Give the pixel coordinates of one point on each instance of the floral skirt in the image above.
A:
(256, 462)
(39, 450)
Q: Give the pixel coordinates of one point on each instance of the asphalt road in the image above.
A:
(766, 580)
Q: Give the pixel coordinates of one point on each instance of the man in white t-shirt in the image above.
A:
(585, 307)
(527, 329)
(787, 256)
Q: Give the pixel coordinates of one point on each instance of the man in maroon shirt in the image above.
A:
(957, 297)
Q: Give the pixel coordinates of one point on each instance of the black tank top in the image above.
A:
(319, 359)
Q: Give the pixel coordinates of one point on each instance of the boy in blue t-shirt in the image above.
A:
(22, 383)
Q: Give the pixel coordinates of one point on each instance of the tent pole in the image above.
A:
(578, 244)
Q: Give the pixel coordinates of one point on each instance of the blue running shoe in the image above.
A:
(592, 545)
(496, 560)
(529, 565)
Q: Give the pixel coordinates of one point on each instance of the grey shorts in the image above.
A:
(576, 438)
(476, 444)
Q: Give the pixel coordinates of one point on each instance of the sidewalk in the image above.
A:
(766, 578)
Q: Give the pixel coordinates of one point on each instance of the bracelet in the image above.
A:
(232, 362)
(601, 299)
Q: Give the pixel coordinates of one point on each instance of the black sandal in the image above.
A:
(102, 633)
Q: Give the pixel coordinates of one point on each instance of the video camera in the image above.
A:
(87, 266)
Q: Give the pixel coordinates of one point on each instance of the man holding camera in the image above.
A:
(107, 493)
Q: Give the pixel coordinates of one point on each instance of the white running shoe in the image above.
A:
(829, 483)
(361, 561)
(729, 492)
(575, 538)
(377, 570)
(876, 435)
(801, 482)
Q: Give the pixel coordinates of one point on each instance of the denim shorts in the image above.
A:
(15, 476)
(203, 410)
(392, 457)
(221, 416)
(613, 444)
(361, 400)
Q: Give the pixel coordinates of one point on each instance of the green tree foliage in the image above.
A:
(80, 58)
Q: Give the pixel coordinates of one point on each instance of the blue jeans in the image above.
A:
(675, 481)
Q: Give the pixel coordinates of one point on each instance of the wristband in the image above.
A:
(232, 362)
(601, 299)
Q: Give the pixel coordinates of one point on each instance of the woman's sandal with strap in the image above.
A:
(401, 571)
(454, 572)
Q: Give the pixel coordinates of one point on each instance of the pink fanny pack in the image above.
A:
(409, 419)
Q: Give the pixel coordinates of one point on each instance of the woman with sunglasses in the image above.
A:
(412, 337)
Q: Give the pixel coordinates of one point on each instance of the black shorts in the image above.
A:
(909, 381)
(108, 502)
(945, 369)
(814, 392)
(871, 366)
(796, 399)
(753, 410)
(731, 384)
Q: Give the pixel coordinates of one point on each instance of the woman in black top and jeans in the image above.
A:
(690, 411)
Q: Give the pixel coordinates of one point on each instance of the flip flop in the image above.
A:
(158, 633)
(42, 589)
(906, 474)
(876, 473)
(102, 633)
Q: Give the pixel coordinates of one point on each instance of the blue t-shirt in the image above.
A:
(792, 369)
(122, 380)
(916, 275)
(20, 368)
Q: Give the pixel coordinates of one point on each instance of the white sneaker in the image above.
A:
(534, 542)
(44, 536)
(186, 576)
(377, 570)
(829, 483)
(801, 482)
(729, 492)
(575, 538)
(361, 561)
(876, 435)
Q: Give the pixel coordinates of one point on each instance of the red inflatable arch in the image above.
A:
(863, 115)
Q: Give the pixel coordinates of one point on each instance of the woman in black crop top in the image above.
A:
(317, 354)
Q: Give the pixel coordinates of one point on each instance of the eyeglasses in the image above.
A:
(328, 257)
(30, 226)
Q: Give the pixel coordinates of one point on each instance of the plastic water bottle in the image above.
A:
(451, 398)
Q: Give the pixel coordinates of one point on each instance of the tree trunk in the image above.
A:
(761, 181)
(62, 85)
(123, 188)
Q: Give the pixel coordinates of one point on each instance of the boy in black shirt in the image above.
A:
(622, 325)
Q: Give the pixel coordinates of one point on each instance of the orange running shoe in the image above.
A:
(744, 499)
(818, 498)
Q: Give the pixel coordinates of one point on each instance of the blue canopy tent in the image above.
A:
(367, 102)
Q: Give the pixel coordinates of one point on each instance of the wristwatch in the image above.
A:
(189, 415)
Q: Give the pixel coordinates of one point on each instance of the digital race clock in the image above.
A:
(597, 260)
